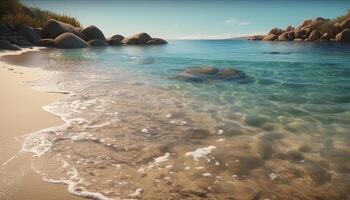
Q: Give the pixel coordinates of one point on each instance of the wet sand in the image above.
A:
(21, 113)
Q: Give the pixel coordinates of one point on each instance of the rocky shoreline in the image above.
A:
(311, 30)
(62, 35)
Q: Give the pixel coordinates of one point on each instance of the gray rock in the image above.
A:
(28, 32)
(46, 42)
(270, 37)
(117, 37)
(6, 45)
(131, 41)
(92, 32)
(115, 40)
(315, 35)
(283, 37)
(209, 74)
(97, 43)
(70, 41)
(343, 36)
(156, 41)
(54, 28)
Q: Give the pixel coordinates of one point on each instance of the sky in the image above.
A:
(193, 19)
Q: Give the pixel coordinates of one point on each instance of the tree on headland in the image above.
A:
(13, 12)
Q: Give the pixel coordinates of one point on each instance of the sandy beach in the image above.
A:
(22, 113)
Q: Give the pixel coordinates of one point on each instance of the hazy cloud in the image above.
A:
(237, 22)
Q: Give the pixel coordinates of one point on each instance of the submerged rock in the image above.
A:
(209, 74)
(69, 41)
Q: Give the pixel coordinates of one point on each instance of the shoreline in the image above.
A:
(22, 114)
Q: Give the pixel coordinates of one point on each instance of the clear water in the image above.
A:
(134, 131)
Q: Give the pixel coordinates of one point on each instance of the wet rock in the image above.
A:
(115, 40)
(270, 37)
(298, 40)
(209, 74)
(326, 36)
(283, 37)
(97, 43)
(343, 36)
(6, 45)
(92, 32)
(28, 33)
(315, 35)
(69, 41)
(46, 42)
(317, 174)
(156, 41)
(130, 41)
(291, 35)
(54, 28)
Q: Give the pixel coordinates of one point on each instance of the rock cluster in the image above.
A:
(61, 35)
(205, 74)
(312, 30)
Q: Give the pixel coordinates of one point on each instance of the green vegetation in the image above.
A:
(341, 18)
(13, 12)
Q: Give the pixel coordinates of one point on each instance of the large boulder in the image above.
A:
(130, 41)
(315, 35)
(6, 45)
(54, 28)
(343, 36)
(19, 40)
(28, 32)
(283, 37)
(140, 38)
(291, 35)
(92, 32)
(270, 37)
(326, 36)
(69, 41)
(204, 74)
(115, 40)
(300, 34)
(46, 42)
(156, 41)
(98, 43)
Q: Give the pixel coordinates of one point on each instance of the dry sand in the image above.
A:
(21, 113)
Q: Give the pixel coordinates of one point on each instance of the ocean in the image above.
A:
(134, 129)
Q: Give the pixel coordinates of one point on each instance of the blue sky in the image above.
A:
(193, 19)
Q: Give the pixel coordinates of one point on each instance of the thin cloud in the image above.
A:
(237, 22)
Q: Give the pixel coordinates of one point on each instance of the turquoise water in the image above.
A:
(134, 130)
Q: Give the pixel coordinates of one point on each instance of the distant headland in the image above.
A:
(21, 26)
(312, 30)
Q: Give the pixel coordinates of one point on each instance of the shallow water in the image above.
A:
(133, 131)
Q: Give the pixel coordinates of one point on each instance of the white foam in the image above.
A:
(201, 152)
(220, 132)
